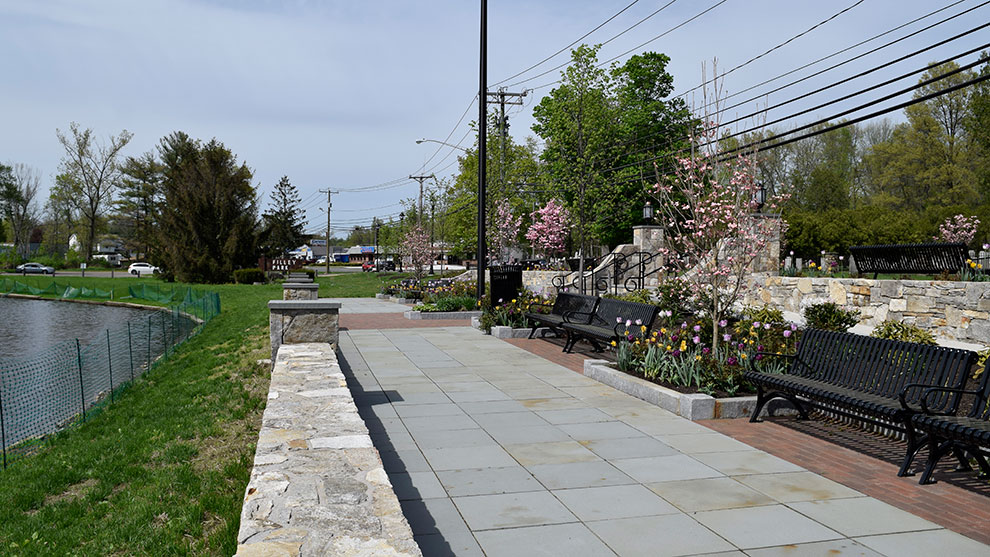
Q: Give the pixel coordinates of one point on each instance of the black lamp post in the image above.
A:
(647, 212)
(761, 198)
(402, 218)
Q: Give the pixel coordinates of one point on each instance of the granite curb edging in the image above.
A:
(691, 406)
(318, 486)
(418, 315)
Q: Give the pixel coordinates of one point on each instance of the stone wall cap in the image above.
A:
(300, 286)
(302, 304)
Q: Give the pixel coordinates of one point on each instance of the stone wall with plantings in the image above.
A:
(957, 310)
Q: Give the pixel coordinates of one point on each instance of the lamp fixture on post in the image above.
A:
(647, 212)
(761, 198)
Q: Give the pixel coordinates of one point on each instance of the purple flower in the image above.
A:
(766, 326)
(793, 326)
(706, 350)
(628, 322)
(723, 323)
(675, 353)
(726, 337)
(756, 324)
(697, 328)
(673, 338)
(684, 325)
(758, 357)
(741, 346)
(696, 339)
(787, 333)
(759, 348)
(618, 320)
(639, 321)
(732, 361)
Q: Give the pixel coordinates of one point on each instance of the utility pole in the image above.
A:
(433, 208)
(329, 192)
(503, 98)
(482, 148)
(419, 214)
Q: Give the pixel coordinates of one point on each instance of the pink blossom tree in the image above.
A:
(550, 227)
(416, 246)
(958, 229)
(714, 233)
(506, 230)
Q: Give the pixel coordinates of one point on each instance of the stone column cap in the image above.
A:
(300, 286)
(302, 304)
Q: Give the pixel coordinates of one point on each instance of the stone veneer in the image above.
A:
(296, 321)
(950, 309)
(318, 486)
(300, 291)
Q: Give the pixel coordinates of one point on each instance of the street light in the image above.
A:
(418, 141)
(648, 212)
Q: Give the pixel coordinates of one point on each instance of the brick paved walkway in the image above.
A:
(963, 510)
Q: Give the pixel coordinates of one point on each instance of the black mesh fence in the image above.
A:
(47, 392)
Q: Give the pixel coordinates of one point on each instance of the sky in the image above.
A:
(334, 93)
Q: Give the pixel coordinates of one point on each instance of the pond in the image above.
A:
(28, 327)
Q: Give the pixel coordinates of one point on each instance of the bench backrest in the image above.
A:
(566, 302)
(610, 312)
(880, 366)
(910, 258)
(981, 406)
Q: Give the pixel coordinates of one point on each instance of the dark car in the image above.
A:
(386, 266)
(35, 268)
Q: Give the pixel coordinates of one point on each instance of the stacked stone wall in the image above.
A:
(948, 309)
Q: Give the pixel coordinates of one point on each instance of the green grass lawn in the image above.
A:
(162, 471)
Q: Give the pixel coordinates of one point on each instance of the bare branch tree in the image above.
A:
(95, 174)
(19, 206)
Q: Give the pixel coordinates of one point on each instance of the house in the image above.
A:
(360, 254)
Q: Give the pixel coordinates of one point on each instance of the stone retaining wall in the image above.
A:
(318, 486)
(949, 309)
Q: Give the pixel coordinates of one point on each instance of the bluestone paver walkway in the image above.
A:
(493, 450)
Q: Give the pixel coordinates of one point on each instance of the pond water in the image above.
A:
(30, 326)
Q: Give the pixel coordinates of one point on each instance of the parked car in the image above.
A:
(367, 266)
(35, 268)
(322, 261)
(386, 266)
(142, 269)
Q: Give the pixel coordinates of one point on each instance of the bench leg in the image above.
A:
(936, 451)
(984, 465)
(963, 460)
(762, 398)
(533, 332)
(914, 444)
(570, 342)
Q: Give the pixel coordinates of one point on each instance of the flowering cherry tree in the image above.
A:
(416, 246)
(714, 233)
(958, 229)
(506, 230)
(548, 233)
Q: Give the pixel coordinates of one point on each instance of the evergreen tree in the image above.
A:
(208, 223)
(283, 221)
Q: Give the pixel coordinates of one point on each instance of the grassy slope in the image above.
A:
(163, 470)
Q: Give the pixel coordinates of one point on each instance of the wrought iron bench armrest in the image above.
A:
(929, 390)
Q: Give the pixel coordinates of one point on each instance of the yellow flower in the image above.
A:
(513, 300)
(642, 328)
(683, 345)
(979, 266)
(743, 355)
(668, 347)
(663, 330)
(972, 265)
(613, 343)
(697, 358)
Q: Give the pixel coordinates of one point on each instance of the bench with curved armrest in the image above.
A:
(868, 379)
(608, 322)
(965, 436)
(565, 304)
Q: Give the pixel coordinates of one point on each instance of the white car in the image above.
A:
(35, 268)
(142, 269)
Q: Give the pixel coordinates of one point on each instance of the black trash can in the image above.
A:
(506, 281)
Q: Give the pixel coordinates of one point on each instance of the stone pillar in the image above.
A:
(300, 278)
(298, 321)
(300, 291)
(648, 238)
(769, 260)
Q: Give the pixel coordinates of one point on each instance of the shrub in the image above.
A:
(249, 276)
(455, 303)
(903, 331)
(765, 314)
(830, 316)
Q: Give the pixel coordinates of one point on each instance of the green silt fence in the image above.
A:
(65, 384)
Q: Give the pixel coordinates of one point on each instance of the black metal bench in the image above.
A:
(607, 322)
(565, 304)
(871, 380)
(928, 259)
(967, 435)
